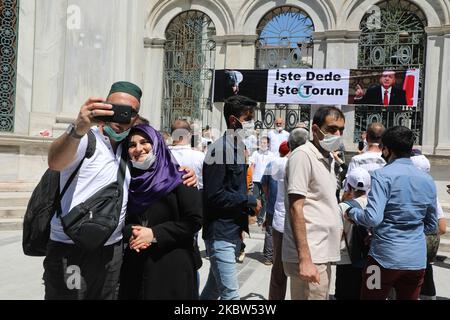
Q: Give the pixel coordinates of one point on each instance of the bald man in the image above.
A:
(183, 152)
(278, 135)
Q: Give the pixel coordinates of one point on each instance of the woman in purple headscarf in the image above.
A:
(162, 218)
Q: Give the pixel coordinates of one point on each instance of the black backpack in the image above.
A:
(358, 249)
(43, 204)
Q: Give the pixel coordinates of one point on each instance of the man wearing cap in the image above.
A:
(383, 94)
(349, 268)
(69, 271)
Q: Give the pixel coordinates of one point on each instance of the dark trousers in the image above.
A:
(268, 243)
(428, 288)
(407, 283)
(259, 193)
(74, 274)
(278, 279)
(348, 282)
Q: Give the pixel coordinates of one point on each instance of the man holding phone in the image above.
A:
(98, 271)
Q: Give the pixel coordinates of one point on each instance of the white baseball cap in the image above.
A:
(359, 179)
(421, 163)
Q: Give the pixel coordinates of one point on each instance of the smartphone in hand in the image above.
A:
(122, 114)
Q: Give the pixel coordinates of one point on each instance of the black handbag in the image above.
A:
(92, 222)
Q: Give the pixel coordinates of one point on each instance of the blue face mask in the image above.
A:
(114, 135)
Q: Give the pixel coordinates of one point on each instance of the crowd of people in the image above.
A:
(380, 212)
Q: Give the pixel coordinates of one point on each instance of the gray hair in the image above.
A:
(297, 137)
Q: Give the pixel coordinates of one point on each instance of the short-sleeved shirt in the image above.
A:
(310, 174)
(188, 157)
(95, 173)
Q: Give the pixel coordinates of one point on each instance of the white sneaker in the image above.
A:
(241, 257)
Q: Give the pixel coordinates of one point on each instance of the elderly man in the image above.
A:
(278, 135)
(313, 227)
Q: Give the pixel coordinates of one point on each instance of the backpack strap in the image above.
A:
(90, 150)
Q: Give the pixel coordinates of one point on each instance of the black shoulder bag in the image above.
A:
(43, 204)
(92, 222)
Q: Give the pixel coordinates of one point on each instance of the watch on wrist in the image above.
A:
(71, 131)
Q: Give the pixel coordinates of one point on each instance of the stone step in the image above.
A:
(11, 224)
(14, 199)
(444, 244)
(12, 212)
(17, 186)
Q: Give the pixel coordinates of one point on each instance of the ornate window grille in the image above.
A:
(8, 61)
(395, 40)
(189, 55)
(284, 41)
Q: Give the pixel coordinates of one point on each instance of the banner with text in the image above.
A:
(320, 86)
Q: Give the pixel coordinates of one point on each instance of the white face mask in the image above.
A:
(146, 164)
(330, 142)
(279, 129)
(248, 127)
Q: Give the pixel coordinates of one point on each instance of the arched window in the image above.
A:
(284, 41)
(189, 54)
(392, 37)
(8, 61)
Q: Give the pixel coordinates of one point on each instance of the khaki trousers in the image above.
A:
(303, 290)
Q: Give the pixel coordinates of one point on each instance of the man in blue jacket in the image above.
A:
(401, 210)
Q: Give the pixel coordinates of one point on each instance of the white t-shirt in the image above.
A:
(260, 160)
(95, 173)
(369, 160)
(188, 157)
(276, 138)
(278, 173)
(345, 257)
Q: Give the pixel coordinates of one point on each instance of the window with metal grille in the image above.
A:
(284, 41)
(8, 62)
(189, 55)
(392, 37)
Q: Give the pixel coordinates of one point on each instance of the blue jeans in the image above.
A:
(222, 278)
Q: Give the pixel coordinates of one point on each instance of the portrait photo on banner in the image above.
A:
(250, 83)
(384, 87)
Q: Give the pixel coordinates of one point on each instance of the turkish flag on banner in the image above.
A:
(411, 86)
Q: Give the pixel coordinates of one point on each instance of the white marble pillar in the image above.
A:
(48, 66)
(25, 60)
(443, 145)
(95, 54)
(432, 91)
(152, 103)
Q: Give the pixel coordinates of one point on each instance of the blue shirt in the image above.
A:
(401, 209)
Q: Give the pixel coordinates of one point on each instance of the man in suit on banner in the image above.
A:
(385, 94)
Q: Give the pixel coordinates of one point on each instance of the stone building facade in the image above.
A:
(57, 53)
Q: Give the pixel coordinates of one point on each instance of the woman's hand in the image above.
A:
(141, 238)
